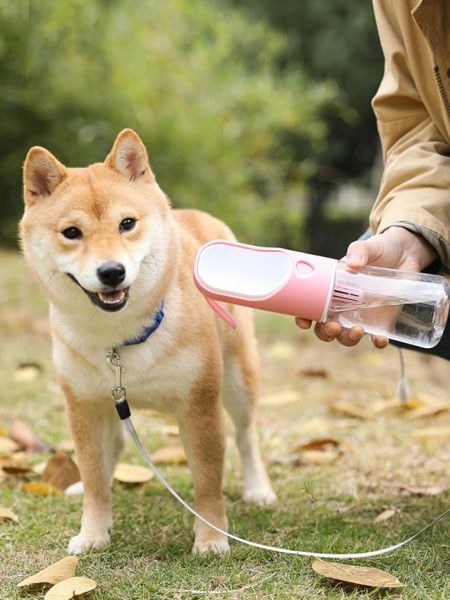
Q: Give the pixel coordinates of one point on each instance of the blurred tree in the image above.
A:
(335, 42)
(199, 81)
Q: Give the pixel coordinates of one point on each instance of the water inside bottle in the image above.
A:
(406, 307)
(418, 323)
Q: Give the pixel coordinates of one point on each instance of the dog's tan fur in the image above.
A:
(183, 368)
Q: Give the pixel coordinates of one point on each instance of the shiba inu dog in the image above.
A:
(108, 249)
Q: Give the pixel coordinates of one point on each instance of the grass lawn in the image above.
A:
(322, 507)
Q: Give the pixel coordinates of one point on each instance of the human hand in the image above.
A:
(396, 248)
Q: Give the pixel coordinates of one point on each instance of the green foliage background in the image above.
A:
(230, 124)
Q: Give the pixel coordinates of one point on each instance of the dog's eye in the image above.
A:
(127, 224)
(72, 233)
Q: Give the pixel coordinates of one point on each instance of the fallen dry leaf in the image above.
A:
(316, 444)
(281, 350)
(7, 446)
(385, 515)
(58, 571)
(343, 407)
(423, 490)
(170, 430)
(308, 457)
(381, 406)
(173, 455)
(319, 457)
(367, 576)
(8, 515)
(27, 372)
(317, 426)
(70, 588)
(312, 372)
(430, 410)
(274, 441)
(432, 433)
(61, 471)
(40, 467)
(373, 359)
(126, 473)
(280, 398)
(15, 463)
(413, 403)
(21, 433)
(40, 488)
(16, 470)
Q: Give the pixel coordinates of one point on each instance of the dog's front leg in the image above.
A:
(97, 434)
(202, 433)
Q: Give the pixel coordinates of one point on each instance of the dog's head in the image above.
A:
(96, 232)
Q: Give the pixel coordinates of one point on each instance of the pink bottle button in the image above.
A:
(304, 269)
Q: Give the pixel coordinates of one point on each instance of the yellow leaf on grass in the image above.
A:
(126, 473)
(319, 457)
(385, 515)
(429, 411)
(281, 350)
(15, 463)
(8, 515)
(70, 588)
(40, 488)
(61, 471)
(381, 406)
(280, 398)
(40, 467)
(432, 433)
(27, 372)
(413, 403)
(173, 455)
(423, 490)
(343, 407)
(367, 576)
(7, 445)
(58, 571)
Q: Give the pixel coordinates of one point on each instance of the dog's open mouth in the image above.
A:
(109, 301)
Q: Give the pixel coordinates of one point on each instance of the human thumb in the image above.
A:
(361, 253)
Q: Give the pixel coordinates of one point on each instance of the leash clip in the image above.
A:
(118, 391)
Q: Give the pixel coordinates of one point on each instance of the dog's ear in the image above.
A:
(129, 156)
(42, 173)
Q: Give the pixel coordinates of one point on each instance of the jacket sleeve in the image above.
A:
(415, 187)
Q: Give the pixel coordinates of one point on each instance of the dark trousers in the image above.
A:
(442, 349)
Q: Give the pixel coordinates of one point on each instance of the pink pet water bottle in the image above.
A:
(407, 307)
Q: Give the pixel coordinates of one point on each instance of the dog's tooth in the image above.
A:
(109, 298)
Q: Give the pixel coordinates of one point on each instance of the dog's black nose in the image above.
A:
(111, 273)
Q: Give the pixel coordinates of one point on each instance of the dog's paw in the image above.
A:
(215, 545)
(264, 496)
(81, 543)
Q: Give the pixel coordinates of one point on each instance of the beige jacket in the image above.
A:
(412, 107)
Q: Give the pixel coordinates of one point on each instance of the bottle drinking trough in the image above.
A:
(404, 306)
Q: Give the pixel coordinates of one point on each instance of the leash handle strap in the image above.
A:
(132, 431)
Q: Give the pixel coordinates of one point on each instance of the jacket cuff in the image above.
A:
(440, 244)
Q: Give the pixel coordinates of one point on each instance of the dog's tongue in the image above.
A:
(112, 297)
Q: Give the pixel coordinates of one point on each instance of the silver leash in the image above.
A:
(121, 404)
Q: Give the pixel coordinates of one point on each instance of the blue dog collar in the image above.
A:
(147, 331)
